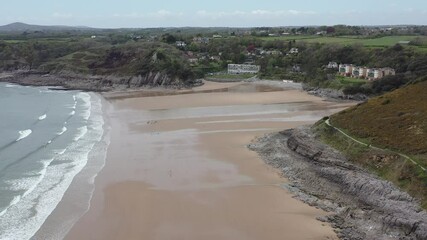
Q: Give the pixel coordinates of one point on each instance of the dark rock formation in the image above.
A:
(71, 81)
(364, 206)
(334, 94)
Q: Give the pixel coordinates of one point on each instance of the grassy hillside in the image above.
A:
(396, 121)
(91, 56)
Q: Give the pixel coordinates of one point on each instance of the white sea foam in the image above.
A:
(85, 97)
(10, 85)
(72, 113)
(60, 152)
(42, 117)
(23, 134)
(81, 132)
(23, 220)
(14, 201)
(26, 185)
(63, 130)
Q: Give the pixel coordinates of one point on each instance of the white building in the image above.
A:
(180, 44)
(359, 72)
(293, 50)
(345, 69)
(332, 65)
(243, 68)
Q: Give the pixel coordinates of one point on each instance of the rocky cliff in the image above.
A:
(363, 206)
(75, 81)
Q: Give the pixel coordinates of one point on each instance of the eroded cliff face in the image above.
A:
(364, 206)
(70, 80)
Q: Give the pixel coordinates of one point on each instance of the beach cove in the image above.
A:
(178, 166)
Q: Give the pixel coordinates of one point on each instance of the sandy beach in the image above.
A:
(178, 167)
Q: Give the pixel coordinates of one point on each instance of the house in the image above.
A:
(215, 58)
(374, 74)
(216, 36)
(332, 65)
(377, 73)
(363, 72)
(180, 44)
(359, 72)
(273, 52)
(193, 60)
(345, 70)
(93, 37)
(388, 71)
(243, 68)
(293, 51)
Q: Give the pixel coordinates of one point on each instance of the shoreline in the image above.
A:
(120, 202)
(122, 84)
(76, 199)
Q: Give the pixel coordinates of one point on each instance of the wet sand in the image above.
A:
(178, 167)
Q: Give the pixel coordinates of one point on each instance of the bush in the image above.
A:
(355, 89)
(389, 83)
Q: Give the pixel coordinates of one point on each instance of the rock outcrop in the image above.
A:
(75, 81)
(334, 94)
(363, 206)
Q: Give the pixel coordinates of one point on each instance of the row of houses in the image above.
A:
(350, 70)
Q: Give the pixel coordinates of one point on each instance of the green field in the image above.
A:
(289, 37)
(380, 42)
(341, 82)
(368, 42)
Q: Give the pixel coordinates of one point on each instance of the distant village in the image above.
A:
(347, 70)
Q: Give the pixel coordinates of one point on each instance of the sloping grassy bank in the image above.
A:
(396, 121)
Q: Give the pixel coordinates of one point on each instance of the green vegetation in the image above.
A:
(128, 52)
(99, 57)
(372, 42)
(231, 76)
(395, 121)
(341, 82)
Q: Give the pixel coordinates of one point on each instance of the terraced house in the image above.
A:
(350, 70)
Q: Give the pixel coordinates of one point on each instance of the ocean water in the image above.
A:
(46, 139)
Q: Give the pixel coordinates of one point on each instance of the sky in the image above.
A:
(212, 13)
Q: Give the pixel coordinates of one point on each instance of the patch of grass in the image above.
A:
(341, 82)
(231, 76)
(396, 120)
(392, 167)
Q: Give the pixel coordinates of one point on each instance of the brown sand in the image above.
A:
(178, 168)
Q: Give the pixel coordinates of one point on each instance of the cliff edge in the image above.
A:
(363, 205)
